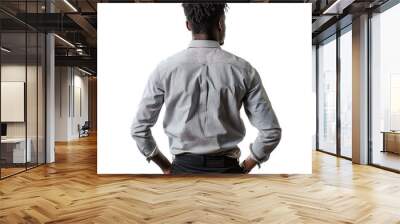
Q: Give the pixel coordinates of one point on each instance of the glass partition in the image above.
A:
(32, 97)
(346, 93)
(327, 96)
(14, 153)
(41, 107)
(22, 77)
(385, 89)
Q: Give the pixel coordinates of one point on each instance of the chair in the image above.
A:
(84, 130)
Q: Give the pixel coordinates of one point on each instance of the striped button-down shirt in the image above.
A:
(203, 88)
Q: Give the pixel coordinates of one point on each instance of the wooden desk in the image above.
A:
(391, 141)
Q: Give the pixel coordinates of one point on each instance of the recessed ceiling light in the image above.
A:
(64, 40)
(338, 6)
(70, 5)
(5, 50)
(84, 71)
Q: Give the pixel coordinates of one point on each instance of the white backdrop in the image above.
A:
(134, 38)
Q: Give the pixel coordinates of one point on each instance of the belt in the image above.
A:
(211, 161)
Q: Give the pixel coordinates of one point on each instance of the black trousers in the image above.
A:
(204, 164)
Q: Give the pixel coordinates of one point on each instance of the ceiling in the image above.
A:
(76, 22)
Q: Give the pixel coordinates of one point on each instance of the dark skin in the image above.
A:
(217, 34)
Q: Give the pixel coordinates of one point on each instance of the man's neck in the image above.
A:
(203, 37)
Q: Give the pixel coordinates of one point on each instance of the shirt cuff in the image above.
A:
(257, 158)
(153, 153)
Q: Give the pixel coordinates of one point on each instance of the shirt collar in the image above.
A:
(204, 43)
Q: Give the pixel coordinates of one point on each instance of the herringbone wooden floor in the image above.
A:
(70, 191)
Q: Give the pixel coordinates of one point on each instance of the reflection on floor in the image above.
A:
(386, 159)
(70, 191)
(10, 171)
(13, 169)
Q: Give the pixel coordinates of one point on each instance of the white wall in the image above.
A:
(17, 73)
(33, 127)
(70, 83)
(14, 73)
(61, 103)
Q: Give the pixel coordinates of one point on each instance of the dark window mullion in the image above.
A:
(37, 90)
(0, 95)
(369, 90)
(317, 95)
(338, 91)
(26, 119)
(26, 87)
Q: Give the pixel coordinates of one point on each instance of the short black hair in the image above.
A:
(204, 16)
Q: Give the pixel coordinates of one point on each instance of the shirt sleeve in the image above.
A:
(146, 116)
(261, 115)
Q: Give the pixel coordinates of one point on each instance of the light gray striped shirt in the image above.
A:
(203, 88)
